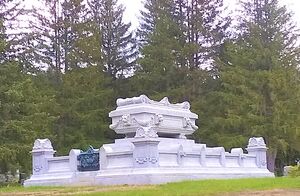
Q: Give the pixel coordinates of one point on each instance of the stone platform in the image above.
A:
(155, 150)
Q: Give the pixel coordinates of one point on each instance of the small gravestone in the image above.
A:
(89, 160)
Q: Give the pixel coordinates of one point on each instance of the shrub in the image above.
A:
(294, 171)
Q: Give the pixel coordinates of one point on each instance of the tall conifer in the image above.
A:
(259, 82)
(118, 44)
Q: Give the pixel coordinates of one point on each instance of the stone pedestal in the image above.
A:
(145, 153)
(257, 148)
(42, 150)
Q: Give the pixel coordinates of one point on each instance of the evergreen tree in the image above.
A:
(78, 35)
(25, 116)
(47, 29)
(85, 100)
(154, 10)
(202, 28)
(118, 45)
(259, 83)
(159, 69)
(206, 31)
(18, 38)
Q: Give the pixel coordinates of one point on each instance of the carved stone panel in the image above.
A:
(145, 153)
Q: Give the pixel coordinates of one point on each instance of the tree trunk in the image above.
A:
(271, 156)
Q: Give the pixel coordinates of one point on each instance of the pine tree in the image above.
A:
(259, 83)
(47, 29)
(18, 38)
(154, 10)
(206, 31)
(118, 45)
(84, 101)
(23, 107)
(78, 35)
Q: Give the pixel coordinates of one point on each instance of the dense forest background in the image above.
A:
(61, 73)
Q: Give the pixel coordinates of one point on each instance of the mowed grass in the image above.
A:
(202, 187)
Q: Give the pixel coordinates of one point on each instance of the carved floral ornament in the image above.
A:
(143, 99)
(126, 120)
(157, 119)
(142, 160)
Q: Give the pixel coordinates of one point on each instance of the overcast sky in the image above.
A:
(133, 7)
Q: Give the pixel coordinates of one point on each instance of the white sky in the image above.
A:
(133, 6)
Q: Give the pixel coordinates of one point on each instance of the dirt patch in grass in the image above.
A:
(274, 192)
(74, 191)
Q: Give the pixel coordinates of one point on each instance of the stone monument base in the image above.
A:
(155, 161)
(142, 177)
(155, 150)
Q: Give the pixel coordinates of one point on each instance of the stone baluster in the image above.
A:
(257, 147)
(41, 151)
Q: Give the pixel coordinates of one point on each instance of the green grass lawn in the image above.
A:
(202, 187)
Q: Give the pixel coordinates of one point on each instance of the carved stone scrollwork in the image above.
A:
(256, 142)
(124, 121)
(186, 122)
(146, 132)
(157, 119)
(42, 144)
(145, 129)
(185, 105)
(143, 160)
(165, 101)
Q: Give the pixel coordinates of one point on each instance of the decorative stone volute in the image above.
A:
(42, 145)
(256, 142)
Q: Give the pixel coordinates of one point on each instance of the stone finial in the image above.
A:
(42, 144)
(255, 142)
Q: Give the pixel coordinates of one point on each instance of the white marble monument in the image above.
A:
(155, 150)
